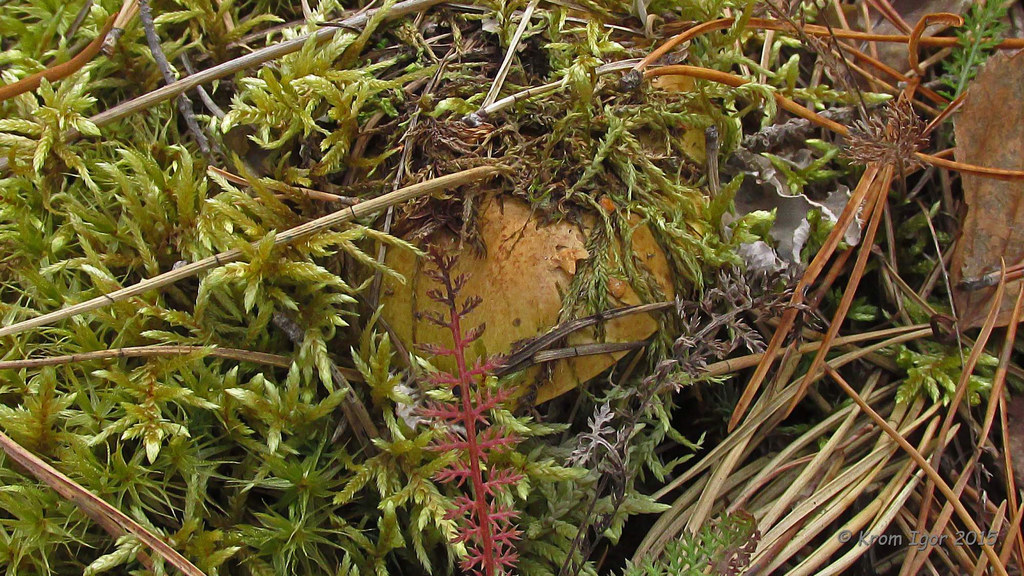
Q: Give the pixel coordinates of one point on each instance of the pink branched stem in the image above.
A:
(488, 530)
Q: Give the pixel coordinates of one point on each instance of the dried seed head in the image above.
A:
(891, 139)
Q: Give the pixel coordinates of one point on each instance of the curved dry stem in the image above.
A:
(944, 18)
(54, 73)
(348, 214)
(812, 30)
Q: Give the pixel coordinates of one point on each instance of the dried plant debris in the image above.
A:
(987, 130)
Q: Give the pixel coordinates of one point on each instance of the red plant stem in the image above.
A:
(469, 421)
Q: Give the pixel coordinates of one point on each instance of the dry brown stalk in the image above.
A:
(349, 214)
(915, 557)
(149, 352)
(54, 73)
(111, 519)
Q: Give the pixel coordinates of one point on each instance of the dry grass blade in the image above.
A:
(914, 564)
(506, 64)
(349, 214)
(149, 352)
(112, 519)
(962, 512)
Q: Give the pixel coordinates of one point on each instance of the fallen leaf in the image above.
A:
(990, 131)
(521, 279)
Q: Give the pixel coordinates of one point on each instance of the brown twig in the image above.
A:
(54, 73)
(170, 77)
(286, 237)
(111, 519)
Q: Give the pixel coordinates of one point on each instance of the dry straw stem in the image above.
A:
(240, 355)
(879, 461)
(283, 188)
(810, 275)
(251, 60)
(348, 214)
(111, 519)
(760, 486)
(513, 45)
(150, 352)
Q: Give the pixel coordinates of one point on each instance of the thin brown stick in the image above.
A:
(810, 275)
(149, 352)
(111, 519)
(54, 73)
(1013, 538)
(880, 188)
(250, 60)
(890, 14)
(170, 77)
(288, 236)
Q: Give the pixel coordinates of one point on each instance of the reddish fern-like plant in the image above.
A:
(487, 525)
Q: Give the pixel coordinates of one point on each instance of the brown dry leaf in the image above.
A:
(521, 280)
(990, 132)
